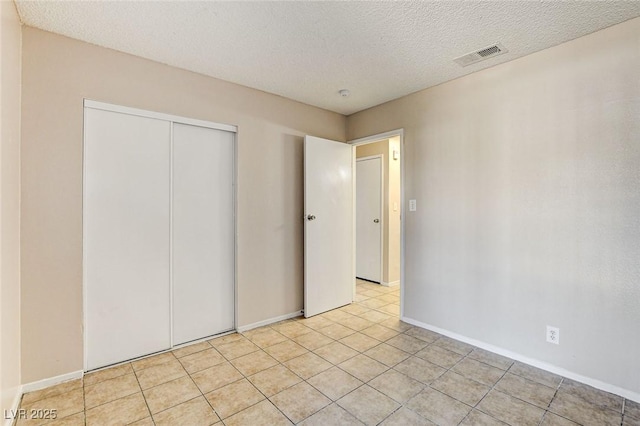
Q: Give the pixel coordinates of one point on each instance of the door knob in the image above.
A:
(376, 220)
(311, 217)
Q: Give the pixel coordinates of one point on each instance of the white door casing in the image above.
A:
(369, 187)
(328, 225)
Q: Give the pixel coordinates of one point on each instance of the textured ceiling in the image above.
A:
(307, 51)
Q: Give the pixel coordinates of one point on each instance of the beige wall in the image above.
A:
(526, 177)
(391, 218)
(10, 63)
(58, 73)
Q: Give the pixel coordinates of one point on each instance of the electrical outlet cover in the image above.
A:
(553, 335)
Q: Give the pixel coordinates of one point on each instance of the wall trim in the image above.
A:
(628, 394)
(45, 383)
(14, 407)
(262, 323)
(391, 284)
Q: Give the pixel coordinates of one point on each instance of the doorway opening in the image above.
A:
(378, 209)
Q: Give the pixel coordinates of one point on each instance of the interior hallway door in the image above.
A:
(369, 218)
(328, 225)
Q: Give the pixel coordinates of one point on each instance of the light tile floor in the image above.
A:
(355, 365)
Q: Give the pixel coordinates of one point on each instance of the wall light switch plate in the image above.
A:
(412, 205)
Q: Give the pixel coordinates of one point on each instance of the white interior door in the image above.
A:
(369, 219)
(203, 232)
(328, 225)
(126, 217)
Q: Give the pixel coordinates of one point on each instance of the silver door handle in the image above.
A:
(311, 217)
(376, 220)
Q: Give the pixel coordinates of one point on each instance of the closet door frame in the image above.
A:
(172, 119)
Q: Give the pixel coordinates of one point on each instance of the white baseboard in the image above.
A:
(391, 284)
(41, 384)
(248, 327)
(634, 396)
(14, 407)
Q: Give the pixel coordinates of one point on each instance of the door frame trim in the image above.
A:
(376, 138)
(383, 223)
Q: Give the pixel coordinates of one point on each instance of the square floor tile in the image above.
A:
(336, 352)
(397, 386)
(236, 348)
(423, 334)
(170, 394)
(99, 376)
(439, 356)
(65, 387)
(580, 411)
(454, 345)
(233, 398)
(201, 360)
(286, 350)
(360, 342)
(336, 331)
(264, 337)
(308, 365)
(121, 411)
(419, 369)
(110, 390)
(274, 380)
(196, 411)
(379, 332)
(438, 407)
(331, 415)
(292, 329)
(334, 383)
(150, 361)
(386, 354)
(459, 387)
(407, 343)
(357, 323)
(592, 395)
(191, 349)
(368, 405)
(492, 359)
(376, 316)
(535, 374)
(215, 377)
(253, 362)
(551, 419)
(510, 410)
(313, 340)
(316, 322)
(300, 401)
(526, 390)
(478, 371)
(158, 374)
(363, 368)
(65, 404)
(405, 417)
(478, 418)
(263, 413)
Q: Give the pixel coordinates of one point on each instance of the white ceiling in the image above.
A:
(307, 51)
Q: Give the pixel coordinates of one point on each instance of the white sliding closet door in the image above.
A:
(203, 232)
(126, 236)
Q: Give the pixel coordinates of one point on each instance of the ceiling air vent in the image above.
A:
(481, 55)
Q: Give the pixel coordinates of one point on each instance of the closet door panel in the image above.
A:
(126, 236)
(203, 232)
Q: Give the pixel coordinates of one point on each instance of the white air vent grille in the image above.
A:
(480, 55)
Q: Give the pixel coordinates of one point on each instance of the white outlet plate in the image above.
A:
(553, 335)
(412, 205)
